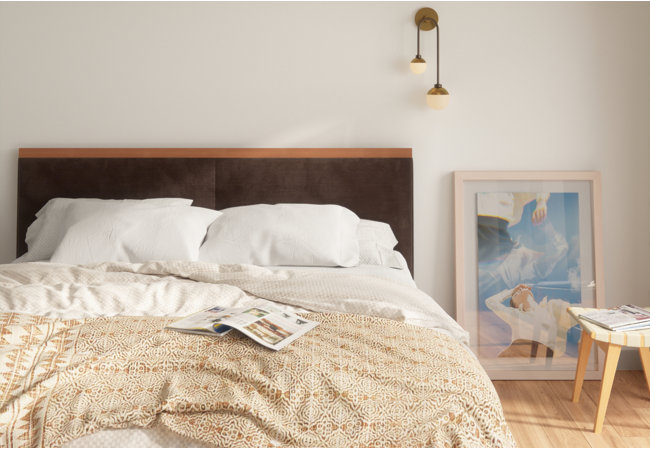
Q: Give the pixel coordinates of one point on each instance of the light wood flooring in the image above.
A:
(541, 414)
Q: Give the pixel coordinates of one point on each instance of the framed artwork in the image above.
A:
(528, 246)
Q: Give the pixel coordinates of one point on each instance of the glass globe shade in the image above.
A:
(418, 65)
(438, 98)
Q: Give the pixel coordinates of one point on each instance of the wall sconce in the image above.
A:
(427, 19)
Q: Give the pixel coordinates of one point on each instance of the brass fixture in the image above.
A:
(426, 19)
(425, 13)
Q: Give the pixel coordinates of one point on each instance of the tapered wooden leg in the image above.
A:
(583, 359)
(611, 361)
(644, 352)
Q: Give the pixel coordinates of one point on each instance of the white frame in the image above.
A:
(464, 229)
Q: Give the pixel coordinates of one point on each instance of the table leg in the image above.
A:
(611, 361)
(644, 352)
(583, 359)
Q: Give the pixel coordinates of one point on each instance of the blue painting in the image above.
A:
(528, 273)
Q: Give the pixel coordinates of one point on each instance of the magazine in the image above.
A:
(621, 318)
(268, 326)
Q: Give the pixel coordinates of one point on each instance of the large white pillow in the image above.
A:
(284, 235)
(53, 219)
(376, 244)
(166, 233)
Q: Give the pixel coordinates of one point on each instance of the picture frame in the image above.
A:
(527, 245)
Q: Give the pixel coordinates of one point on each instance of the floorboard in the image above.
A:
(541, 414)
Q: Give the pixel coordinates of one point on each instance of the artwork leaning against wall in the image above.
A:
(526, 250)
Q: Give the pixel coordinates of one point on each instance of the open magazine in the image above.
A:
(267, 326)
(621, 318)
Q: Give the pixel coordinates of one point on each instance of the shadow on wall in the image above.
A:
(324, 133)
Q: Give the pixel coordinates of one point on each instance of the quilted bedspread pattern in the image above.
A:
(354, 380)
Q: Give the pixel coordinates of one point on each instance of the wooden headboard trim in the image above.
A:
(214, 153)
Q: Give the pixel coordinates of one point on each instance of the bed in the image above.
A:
(85, 360)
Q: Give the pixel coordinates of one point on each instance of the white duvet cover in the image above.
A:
(181, 288)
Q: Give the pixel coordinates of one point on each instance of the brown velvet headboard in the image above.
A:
(376, 184)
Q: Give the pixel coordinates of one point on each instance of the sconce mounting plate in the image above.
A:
(425, 13)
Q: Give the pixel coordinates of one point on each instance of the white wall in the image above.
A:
(549, 86)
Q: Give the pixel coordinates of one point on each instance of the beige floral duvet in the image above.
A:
(355, 380)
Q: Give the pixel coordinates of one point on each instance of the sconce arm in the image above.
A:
(437, 27)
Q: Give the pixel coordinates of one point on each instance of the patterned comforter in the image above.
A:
(355, 380)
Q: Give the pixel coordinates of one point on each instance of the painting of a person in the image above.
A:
(528, 272)
(504, 261)
(546, 322)
(499, 211)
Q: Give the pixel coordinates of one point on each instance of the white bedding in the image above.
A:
(402, 276)
(55, 218)
(182, 288)
(283, 234)
(135, 235)
(70, 300)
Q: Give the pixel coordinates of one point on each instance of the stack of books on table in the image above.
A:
(621, 318)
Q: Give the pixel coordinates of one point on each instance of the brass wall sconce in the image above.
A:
(426, 19)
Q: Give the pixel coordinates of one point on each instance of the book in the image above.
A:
(621, 318)
(265, 325)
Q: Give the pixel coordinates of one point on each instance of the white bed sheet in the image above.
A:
(76, 304)
(402, 276)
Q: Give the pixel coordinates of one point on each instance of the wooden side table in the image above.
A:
(611, 342)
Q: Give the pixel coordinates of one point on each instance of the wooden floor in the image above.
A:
(541, 414)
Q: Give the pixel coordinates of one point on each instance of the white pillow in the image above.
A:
(379, 232)
(165, 233)
(376, 243)
(284, 235)
(53, 219)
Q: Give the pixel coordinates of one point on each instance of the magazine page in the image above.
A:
(607, 318)
(204, 322)
(636, 312)
(618, 317)
(271, 328)
(634, 326)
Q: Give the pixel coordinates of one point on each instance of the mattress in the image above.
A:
(86, 300)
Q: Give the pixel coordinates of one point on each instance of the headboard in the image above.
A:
(375, 183)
